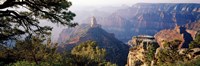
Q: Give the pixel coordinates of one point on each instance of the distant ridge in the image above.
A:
(117, 51)
(148, 18)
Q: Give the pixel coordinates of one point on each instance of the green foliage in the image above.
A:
(176, 63)
(32, 49)
(169, 55)
(15, 22)
(35, 51)
(150, 54)
(26, 63)
(89, 54)
(166, 56)
(194, 62)
(22, 63)
(89, 49)
(195, 43)
(173, 44)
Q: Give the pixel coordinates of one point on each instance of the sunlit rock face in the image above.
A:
(93, 23)
(178, 33)
(139, 49)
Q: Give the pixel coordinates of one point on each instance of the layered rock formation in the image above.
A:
(194, 26)
(116, 50)
(148, 19)
(178, 33)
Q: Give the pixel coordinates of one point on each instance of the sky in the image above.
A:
(126, 2)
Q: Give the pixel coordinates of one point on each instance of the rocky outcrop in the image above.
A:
(116, 50)
(178, 33)
(139, 50)
(142, 54)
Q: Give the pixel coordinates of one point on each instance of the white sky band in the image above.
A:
(127, 2)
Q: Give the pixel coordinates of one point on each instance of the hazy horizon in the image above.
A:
(92, 5)
(124, 2)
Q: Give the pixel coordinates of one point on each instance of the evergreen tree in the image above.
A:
(89, 54)
(19, 17)
(195, 43)
(32, 49)
(169, 54)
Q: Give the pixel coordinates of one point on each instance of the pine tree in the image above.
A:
(19, 17)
